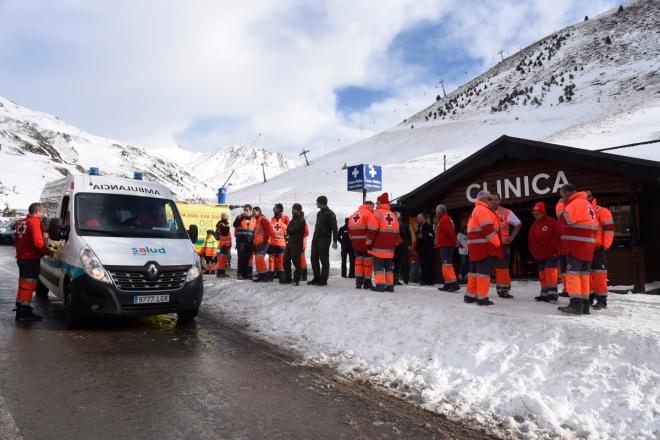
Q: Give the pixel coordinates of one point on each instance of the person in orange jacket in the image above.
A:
(507, 220)
(277, 242)
(30, 248)
(262, 234)
(484, 245)
(559, 209)
(209, 251)
(357, 231)
(544, 242)
(447, 242)
(604, 240)
(578, 241)
(382, 235)
(223, 235)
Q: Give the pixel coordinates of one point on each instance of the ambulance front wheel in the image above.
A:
(188, 315)
(71, 304)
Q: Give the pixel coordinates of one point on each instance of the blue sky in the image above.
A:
(209, 74)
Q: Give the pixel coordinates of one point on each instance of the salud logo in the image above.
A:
(146, 250)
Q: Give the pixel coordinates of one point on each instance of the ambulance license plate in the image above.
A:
(151, 299)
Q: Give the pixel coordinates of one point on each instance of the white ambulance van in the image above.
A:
(120, 249)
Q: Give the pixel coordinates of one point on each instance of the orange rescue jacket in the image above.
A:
(382, 232)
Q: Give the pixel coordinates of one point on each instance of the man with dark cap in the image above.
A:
(325, 231)
(244, 225)
(347, 252)
(295, 235)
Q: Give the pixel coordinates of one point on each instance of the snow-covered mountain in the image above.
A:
(593, 84)
(36, 148)
(215, 168)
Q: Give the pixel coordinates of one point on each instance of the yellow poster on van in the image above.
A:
(205, 217)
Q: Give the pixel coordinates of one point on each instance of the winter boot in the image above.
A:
(504, 294)
(314, 282)
(220, 274)
(452, 287)
(469, 299)
(574, 307)
(367, 284)
(25, 313)
(485, 302)
(601, 303)
(592, 298)
(542, 297)
(586, 305)
(358, 282)
(377, 289)
(389, 289)
(303, 276)
(552, 297)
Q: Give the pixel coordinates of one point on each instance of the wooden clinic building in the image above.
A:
(524, 172)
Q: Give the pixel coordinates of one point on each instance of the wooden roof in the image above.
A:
(638, 171)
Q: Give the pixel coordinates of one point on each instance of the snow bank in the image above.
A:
(519, 368)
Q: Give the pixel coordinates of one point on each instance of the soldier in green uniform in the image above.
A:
(295, 233)
(325, 232)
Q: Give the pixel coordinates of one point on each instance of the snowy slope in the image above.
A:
(565, 88)
(37, 148)
(518, 369)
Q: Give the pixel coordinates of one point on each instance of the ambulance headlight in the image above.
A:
(92, 265)
(196, 270)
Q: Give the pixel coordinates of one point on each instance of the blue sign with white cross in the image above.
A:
(365, 177)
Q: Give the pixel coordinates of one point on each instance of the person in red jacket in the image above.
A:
(544, 241)
(30, 248)
(604, 240)
(262, 233)
(357, 232)
(382, 236)
(578, 241)
(484, 244)
(446, 241)
(303, 259)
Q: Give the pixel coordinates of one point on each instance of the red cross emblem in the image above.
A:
(356, 217)
(277, 227)
(389, 219)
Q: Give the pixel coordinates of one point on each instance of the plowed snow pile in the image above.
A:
(519, 369)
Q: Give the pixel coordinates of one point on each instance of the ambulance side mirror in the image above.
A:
(193, 233)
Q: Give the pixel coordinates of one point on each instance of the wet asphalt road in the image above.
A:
(151, 378)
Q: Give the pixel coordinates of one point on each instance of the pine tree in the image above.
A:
(586, 18)
(437, 98)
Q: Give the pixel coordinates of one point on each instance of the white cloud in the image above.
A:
(145, 71)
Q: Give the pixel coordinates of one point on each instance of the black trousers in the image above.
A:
(426, 265)
(293, 253)
(401, 264)
(321, 259)
(244, 253)
(347, 253)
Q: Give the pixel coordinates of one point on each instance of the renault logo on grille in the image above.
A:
(152, 271)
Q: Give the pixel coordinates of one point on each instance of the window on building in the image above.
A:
(622, 219)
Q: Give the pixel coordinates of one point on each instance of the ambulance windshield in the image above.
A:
(122, 215)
